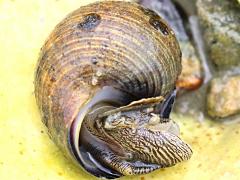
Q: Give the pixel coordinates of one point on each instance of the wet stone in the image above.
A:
(224, 97)
(191, 76)
(220, 21)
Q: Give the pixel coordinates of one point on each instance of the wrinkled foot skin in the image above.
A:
(127, 168)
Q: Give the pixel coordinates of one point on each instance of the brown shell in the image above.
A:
(116, 44)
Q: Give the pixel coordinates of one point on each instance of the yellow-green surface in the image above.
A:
(26, 152)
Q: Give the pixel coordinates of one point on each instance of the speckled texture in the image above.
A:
(221, 31)
(220, 22)
(26, 151)
(224, 96)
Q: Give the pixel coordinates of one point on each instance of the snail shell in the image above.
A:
(104, 86)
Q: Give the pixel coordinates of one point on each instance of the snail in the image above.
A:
(105, 86)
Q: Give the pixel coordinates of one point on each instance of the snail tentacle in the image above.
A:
(167, 106)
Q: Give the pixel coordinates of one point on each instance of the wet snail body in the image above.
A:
(105, 85)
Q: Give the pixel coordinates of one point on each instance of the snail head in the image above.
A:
(141, 137)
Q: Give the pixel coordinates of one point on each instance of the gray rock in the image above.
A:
(220, 20)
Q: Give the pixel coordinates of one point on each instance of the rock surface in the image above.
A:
(220, 21)
(224, 97)
(191, 76)
(221, 30)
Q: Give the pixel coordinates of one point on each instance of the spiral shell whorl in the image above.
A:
(103, 44)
